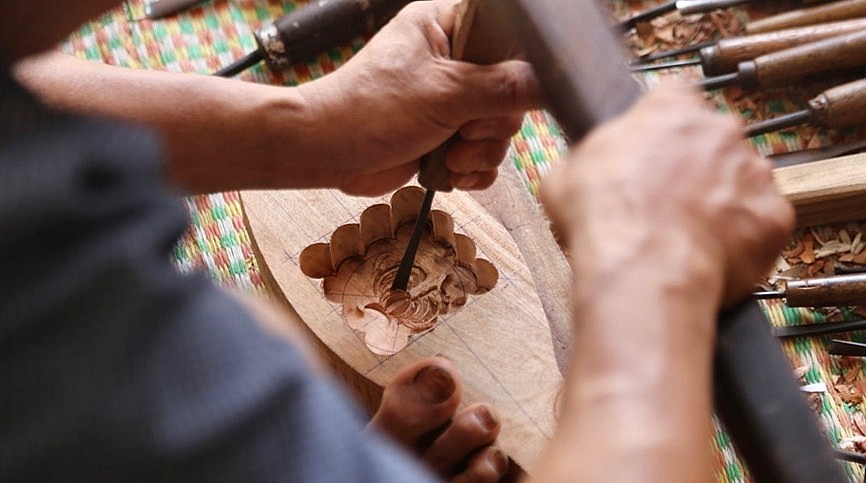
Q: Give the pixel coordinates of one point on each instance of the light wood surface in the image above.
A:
(829, 191)
(500, 341)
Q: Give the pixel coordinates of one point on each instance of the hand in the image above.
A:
(673, 185)
(402, 95)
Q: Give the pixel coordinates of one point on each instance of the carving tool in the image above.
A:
(830, 12)
(821, 292)
(163, 8)
(684, 7)
(846, 348)
(816, 154)
(473, 41)
(404, 271)
(646, 59)
(307, 31)
(838, 107)
(851, 456)
(840, 53)
(579, 64)
(725, 55)
(821, 328)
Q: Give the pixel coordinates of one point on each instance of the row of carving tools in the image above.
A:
(798, 47)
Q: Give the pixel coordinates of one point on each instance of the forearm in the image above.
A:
(636, 403)
(219, 134)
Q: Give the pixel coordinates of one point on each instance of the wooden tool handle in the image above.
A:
(835, 54)
(726, 54)
(163, 8)
(841, 106)
(307, 31)
(827, 291)
(841, 10)
(475, 39)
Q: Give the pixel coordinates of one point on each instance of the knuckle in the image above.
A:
(510, 87)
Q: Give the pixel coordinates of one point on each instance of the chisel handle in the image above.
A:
(836, 108)
(163, 8)
(827, 291)
(841, 106)
(835, 54)
(474, 40)
(307, 31)
(726, 54)
(841, 10)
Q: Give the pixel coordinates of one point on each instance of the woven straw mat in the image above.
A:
(206, 38)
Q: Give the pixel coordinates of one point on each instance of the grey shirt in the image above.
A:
(114, 366)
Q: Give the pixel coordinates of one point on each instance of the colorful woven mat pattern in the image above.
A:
(213, 35)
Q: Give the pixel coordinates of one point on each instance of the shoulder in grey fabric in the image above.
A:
(113, 366)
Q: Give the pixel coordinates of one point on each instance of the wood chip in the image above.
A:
(645, 32)
(859, 422)
(814, 142)
(852, 373)
(793, 251)
(666, 34)
(844, 237)
(857, 244)
(848, 393)
(808, 254)
(832, 247)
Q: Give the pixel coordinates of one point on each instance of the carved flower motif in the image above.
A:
(359, 263)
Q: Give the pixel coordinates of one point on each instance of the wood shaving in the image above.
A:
(859, 422)
(807, 256)
(848, 393)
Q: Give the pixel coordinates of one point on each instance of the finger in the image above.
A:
(381, 182)
(470, 156)
(472, 429)
(491, 129)
(479, 180)
(447, 15)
